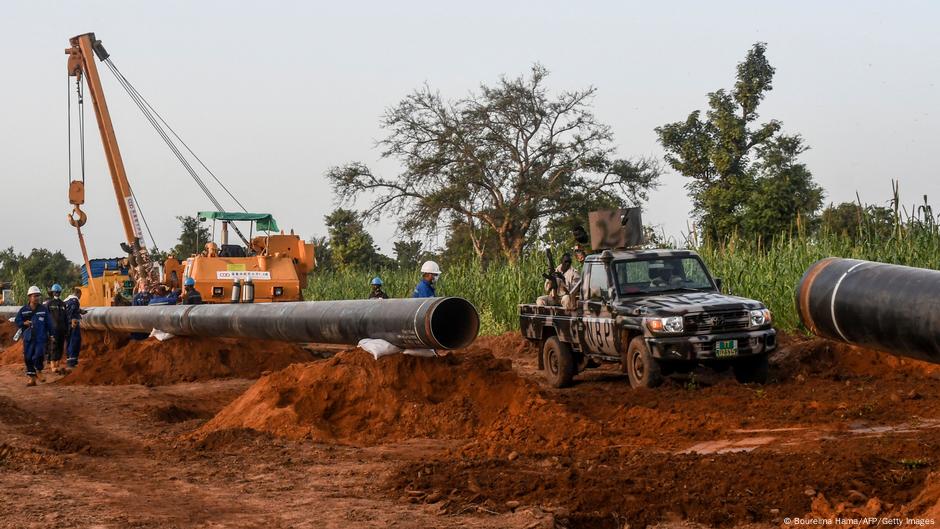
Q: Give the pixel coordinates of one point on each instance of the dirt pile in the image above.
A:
(7, 330)
(810, 355)
(116, 359)
(354, 398)
(927, 503)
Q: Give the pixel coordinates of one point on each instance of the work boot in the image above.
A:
(32, 381)
(40, 377)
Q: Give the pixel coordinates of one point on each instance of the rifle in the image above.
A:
(551, 276)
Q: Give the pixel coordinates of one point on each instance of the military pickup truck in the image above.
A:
(656, 312)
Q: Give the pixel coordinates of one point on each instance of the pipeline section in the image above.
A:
(892, 308)
(436, 323)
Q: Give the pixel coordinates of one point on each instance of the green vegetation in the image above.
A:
(745, 177)
(766, 272)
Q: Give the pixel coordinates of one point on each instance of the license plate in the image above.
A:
(726, 348)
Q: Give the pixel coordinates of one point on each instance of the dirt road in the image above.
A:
(471, 441)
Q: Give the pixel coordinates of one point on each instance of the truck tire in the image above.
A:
(752, 370)
(560, 366)
(642, 369)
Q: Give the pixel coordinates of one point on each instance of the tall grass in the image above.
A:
(766, 272)
(495, 290)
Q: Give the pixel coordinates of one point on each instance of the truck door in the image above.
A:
(599, 334)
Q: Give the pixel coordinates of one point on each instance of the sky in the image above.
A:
(272, 94)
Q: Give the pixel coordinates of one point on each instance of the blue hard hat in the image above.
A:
(189, 282)
(377, 280)
(56, 288)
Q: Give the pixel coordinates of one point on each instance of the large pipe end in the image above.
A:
(454, 323)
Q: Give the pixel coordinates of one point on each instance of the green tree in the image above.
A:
(323, 253)
(193, 237)
(853, 220)
(352, 246)
(733, 161)
(41, 267)
(409, 254)
(784, 191)
(503, 159)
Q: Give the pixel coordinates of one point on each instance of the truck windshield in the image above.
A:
(661, 275)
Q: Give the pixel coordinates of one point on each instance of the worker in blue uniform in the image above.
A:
(191, 296)
(163, 297)
(33, 320)
(73, 311)
(430, 271)
(377, 292)
(58, 329)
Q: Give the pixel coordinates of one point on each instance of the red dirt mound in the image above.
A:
(356, 399)
(7, 330)
(116, 359)
(927, 503)
(821, 356)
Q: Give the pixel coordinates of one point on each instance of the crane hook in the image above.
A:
(77, 218)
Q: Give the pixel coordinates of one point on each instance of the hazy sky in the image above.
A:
(272, 94)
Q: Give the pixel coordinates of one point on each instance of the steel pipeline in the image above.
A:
(891, 308)
(437, 323)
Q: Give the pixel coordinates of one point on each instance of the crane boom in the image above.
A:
(81, 63)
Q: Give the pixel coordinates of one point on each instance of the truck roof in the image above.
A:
(641, 253)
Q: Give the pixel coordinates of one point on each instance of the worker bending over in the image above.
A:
(33, 320)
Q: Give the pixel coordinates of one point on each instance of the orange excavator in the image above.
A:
(265, 268)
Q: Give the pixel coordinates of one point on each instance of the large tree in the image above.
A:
(41, 267)
(738, 166)
(193, 238)
(351, 245)
(502, 159)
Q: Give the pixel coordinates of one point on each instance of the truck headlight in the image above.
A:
(760, 317)
(669, 324)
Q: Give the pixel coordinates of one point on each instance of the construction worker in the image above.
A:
(33, 320)
(191, 296)
(73, 311)
(161, 296)
(377, 292)
(430, 271)
(141, 299)
(58, 328)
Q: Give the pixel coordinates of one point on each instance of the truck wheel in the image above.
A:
(560, 366)
(753, 369)
(642, 369)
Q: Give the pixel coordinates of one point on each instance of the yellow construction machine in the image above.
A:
(265, 268)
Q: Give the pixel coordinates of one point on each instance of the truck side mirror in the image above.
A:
(718, 283)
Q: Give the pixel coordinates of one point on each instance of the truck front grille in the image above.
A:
(732, 320)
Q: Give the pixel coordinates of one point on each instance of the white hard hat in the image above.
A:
(430, 267)
(33, 290)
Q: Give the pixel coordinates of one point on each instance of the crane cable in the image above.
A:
(148, 112)
(178, 138)
(81, 140)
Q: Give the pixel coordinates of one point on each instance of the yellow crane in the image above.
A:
(274, 264)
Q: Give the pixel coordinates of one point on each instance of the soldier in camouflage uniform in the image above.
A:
(566, 276)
